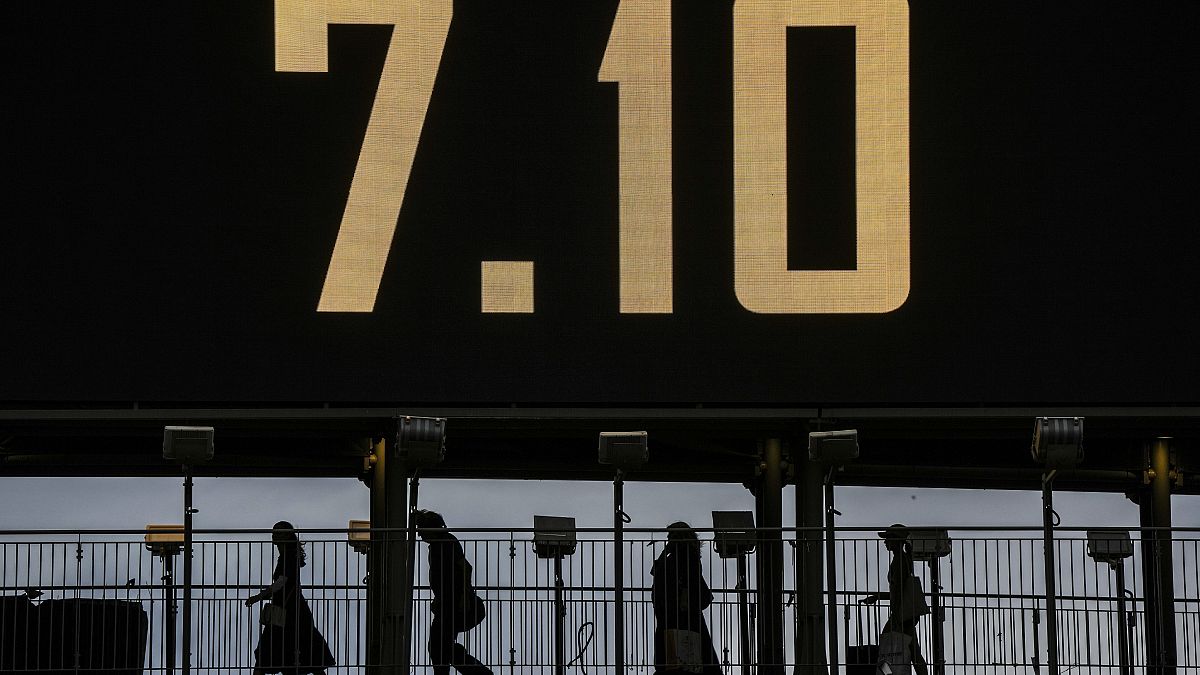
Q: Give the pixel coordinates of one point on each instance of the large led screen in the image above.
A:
(760, 202)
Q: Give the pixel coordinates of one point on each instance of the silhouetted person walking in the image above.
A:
(904, 593)
(682, 643)
(289, 643)
(456, 607)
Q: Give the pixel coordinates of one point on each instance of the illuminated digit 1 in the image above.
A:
(762, 281)
(419, 29)
(638, 59)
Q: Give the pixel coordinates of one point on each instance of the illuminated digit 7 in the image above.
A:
(762, 281)
(638, 58)
(419, 29)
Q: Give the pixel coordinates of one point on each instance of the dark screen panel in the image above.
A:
(172, 203)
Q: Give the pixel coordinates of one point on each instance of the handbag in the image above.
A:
(683, 650)
(911, 603)
(473, 613)
(272, 615)
(894, 655)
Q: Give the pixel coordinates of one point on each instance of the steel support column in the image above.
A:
(810, 511)
(770, 553)
(1157, 563)
(386, 570)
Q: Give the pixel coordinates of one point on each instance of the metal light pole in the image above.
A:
(1057, 445)
(930, 546)
(624, 450)
(420, 443)
(1113, 547)
(735, 538)
(165, 542)
(832, 449)
(187, 568)
(188, 446)
(553, 539)
(1049, 518)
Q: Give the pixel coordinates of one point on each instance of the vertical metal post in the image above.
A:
(187, 569)
(770, 546)
(619, 571)
(1158, 565)
(377, 557)
(169, 610)
(1035, 657)
(394, 575)
(386, 575)
(1048, 518)
(560, 618)
(810, 634)
(939, 617)
(831, 572)
(410, 571)
(78, 612)
(744, 614)
(1122, 622)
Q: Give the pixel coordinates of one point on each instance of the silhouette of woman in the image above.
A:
(289, 643)
(456, 607)
(907, 602)
(680, 595)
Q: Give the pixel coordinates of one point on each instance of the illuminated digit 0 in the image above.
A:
(397, 116)
(638, 58)
(762, 281)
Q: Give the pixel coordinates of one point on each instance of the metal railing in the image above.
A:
(100, 601)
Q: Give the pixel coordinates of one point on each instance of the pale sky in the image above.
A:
(131, 503)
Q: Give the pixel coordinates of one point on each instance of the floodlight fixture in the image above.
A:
(624, 449)
(164, 540)
(1057, 442)
(733, 533)
(421, 441)
(358, 535)
(1109, 546)
(553, 536)
(188, 445)
(929, 545)
(833, 447)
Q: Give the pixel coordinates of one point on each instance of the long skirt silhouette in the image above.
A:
(296, 646)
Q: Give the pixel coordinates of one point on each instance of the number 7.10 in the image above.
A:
(638, 59)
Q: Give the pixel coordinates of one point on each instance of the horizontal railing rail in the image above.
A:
(98, 600)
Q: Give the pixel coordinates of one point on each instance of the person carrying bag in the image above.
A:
(682, 643)
(898, 646)
(456, 606)
(290, 642)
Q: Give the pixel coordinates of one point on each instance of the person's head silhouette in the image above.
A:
(895, 537)
(283, 532)
(682, 534)
(283, 535)
(430, 524)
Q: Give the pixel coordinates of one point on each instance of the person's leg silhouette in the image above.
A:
(444, 651)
